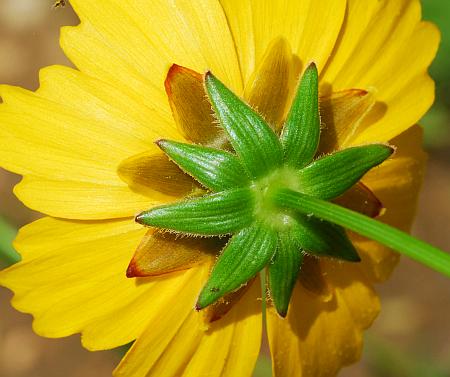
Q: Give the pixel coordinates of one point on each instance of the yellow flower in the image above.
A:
(69, 138)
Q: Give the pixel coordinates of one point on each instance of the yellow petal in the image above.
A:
(78, 120)
(71, 135)
(150, 173)
(72, 279)
(318, 338)
(341, 115)
(86, 201)
(310, 27)
(188, 348)
(160, 253)
(78, 129)
(268, 89)
(396, 183)
(378, 49)
(133, 44)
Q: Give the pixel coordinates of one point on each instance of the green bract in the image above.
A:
(244, 200)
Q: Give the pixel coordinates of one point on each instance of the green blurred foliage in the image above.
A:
(438, 11)
(437, 122)
(8, 255)
(386, 360)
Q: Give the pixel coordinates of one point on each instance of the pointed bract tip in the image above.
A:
(161, 143)
(360, 92)
(392, 148)
(140, 218)
(209, 77)
(178, 70)
(282, 313)
(198, 307)
(173, 70)
(312, 65)
(203, 300)
(355, 258)
(132, 270)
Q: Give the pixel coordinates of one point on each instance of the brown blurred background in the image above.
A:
(410, 338)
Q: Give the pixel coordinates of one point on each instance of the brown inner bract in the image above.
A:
(269, 91)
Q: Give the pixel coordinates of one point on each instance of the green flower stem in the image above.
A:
(365, 226)
(8, 255)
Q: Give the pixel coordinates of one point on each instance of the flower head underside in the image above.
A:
(242, 172)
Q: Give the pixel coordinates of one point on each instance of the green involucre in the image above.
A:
(266, 196)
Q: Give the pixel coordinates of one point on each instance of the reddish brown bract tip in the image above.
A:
(282, 314)
(133, 271)
(175, 70)
(160, 143)
(312, 65)
(191, 111)
(139, 219)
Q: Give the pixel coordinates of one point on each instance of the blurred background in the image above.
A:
(411, 338)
